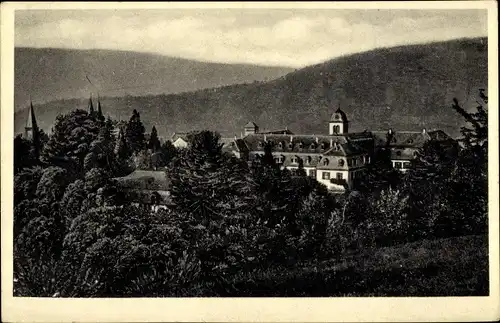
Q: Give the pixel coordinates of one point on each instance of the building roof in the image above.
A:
(278, 132)
(339, 115)
(439, 135)
(251, 125)
(233, 144)
(410, 139)
(182, 135)
(145, 180)
(304, 144)
(403, 153)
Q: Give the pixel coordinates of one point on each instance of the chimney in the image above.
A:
(235, 137)
(317, 140)
(331, 142)
(390, 131)
(424, 131)
(265, 138)
(291, 138)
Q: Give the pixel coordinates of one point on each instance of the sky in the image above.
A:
(277, 37)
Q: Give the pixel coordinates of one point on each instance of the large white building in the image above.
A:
(335, 159)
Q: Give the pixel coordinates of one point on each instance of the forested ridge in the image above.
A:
(404, 88)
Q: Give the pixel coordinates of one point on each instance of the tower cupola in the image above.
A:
(338, 123)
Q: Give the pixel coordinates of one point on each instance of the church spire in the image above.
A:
(91, 106)
(99, 109)
(31, 125)
(31, 131)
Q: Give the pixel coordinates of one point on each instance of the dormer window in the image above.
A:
(349, 162)
(260, 144)
(323, 145)
(394, 139)
(410, 141)
(313, 145)
(308, 159)
(295, 160)
(326, 161)
(301, 145)
(280, 145)
(398, 153)
(290, 145)
(341, 162)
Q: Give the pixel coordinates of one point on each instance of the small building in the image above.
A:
(179, 139)
(143, 187)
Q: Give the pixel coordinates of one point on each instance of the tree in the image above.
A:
(143, 160)
(122, 155)
(134, 133)
(101, 152)
(469, 180)
(70, 141)
(212, 193)
(379, 174)
(168, 151)
(300, 169)
(154, 143)
(23, 158)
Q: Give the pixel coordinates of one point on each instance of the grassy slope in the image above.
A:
(406, 87)
(445, 267)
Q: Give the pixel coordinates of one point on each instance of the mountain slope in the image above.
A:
(408, 87)
(48, 74)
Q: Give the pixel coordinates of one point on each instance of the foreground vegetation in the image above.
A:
(240, 230)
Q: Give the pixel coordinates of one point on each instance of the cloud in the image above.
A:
(269, 38)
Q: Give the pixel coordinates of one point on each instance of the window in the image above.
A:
(398, 153)
(397, 165)
(340, 176)
(312, 173)
(295, 160)
(410, 141)
(336, 129)
(326, 175)
(308, 160)
(354, 161)
(313, 145)
(301, 145)
(280, 145)
(406, 165)
(349, 162)
(290, 145)
(326, 161)
(323, 145)
(341, 162)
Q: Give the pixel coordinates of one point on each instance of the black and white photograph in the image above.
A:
(246, 152)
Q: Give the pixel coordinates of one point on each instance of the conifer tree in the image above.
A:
(100, 115)
(154, 143)
(134, 133)
(122, 151)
